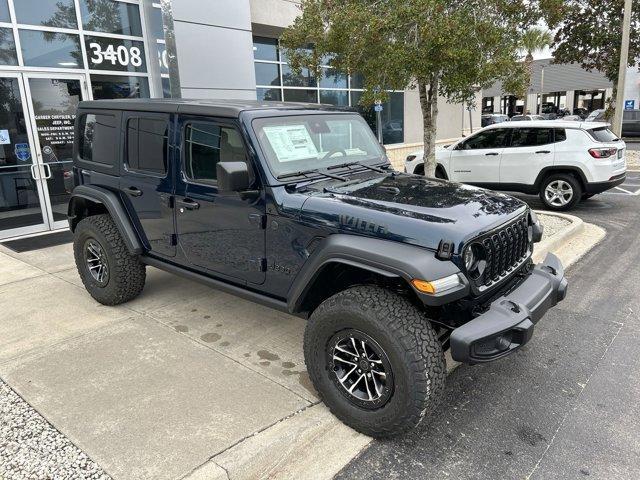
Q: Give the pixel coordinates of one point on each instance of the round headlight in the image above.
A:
(469, 258)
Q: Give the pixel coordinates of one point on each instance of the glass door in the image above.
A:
(22, 198)
(53, 100)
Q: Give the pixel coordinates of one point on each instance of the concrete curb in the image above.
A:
(312, 443)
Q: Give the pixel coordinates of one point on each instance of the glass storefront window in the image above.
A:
(110, 16)
(49, 49)
(4, 11)
(166, 88)
(335, 97)
(50, 13)
(163, 61)
(357, 81)
(269, 94)
(267, 74)
(111, 86)
(392, 116)
(332, 79)
(157, 29)
(7, 47)
(115, 54)
(265, 49)
(305, 79)
(295, 95)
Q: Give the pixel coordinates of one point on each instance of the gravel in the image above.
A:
(31, 448)
(552, 224)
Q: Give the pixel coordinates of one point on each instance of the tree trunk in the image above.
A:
(429, 105)
(528, 61)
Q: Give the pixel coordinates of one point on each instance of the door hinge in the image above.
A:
(258, 219)
(173, 240)
(263, 264)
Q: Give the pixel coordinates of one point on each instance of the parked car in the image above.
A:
(276, 204)
(596, 116)
(581, 112)
(486, 120)
(521, 118)
(631, 123)
(571, 118)
(563, 162)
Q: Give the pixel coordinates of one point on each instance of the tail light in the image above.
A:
(603, 152)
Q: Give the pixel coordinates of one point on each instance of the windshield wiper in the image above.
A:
(359, 164)
(306, 173)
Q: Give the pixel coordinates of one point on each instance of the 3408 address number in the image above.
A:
(116, 55)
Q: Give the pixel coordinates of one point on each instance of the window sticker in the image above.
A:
(4, 137)
(291, 142)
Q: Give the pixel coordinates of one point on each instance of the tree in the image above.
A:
(589, 32)
(440, 47)
(533, 40)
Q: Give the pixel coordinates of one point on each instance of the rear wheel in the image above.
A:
(375, 360)
(108, 271)
(560, 191)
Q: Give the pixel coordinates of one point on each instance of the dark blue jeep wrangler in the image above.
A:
(297, 207)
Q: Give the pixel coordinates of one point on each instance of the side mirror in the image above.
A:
(233, 176)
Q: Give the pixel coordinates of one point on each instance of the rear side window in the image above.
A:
(97, 142)
(206, 144)
(561, 134)
(530, 137)
(602, 134)
(147, 145)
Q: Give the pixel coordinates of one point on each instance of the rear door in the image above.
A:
(530, 150)
(476, 160)
(219, 232)
(147, 178)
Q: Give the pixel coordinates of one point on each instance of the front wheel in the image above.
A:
(560, 191)
(375, 360)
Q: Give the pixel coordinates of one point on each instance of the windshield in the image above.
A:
(306, 142)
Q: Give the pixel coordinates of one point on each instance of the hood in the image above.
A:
(409, 208)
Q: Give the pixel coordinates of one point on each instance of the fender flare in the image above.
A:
(115, 208)
(384, 257)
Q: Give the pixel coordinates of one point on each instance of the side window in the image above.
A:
(147, 145)
(560, 135)
(530, 137)
(492, 138)
(206, 144)
(97, 140)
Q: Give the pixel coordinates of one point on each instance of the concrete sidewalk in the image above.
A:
(154, 388)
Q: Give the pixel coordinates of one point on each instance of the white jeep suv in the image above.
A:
(563, 162)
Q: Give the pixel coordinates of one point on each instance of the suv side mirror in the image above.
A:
(233, 176)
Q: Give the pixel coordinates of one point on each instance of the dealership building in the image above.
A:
(55, 53)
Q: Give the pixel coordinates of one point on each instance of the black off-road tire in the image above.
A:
(410, 343)
(561, 178)
(126, 273)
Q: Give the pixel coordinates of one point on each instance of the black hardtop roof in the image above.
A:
(223, 108)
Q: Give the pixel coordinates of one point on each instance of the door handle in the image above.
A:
(48, 170)
(543, 151)
(189, 204)
(134, 191)
(492, 154)
(33, 171)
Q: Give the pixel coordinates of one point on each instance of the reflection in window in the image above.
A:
(306, 96)
(269, 94)
(110, 16)
(305, 79)
(111, 86)
(7, 47)
(48, 49)
(163, 60)
(4, 12)
(335, 97)
(115, 54)
(332, 79)
(166, 87)
(267, 74)
(147, 145)
(50, 13)
(98, 138)
(265, 49)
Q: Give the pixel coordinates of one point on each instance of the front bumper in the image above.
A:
(508, 323)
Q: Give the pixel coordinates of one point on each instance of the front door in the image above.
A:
(218, 232)
(52, 106)
(476, 160)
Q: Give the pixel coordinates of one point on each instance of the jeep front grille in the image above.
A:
(505, 250)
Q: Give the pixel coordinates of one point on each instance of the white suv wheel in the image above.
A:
(558, 193)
